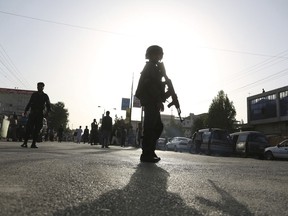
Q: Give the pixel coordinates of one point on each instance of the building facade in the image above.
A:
(268, 112)
(13, 100)
(187, 124)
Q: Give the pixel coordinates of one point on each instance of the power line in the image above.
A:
(274, 59)
(5, 75)
(259, 66)
(265, 79)
(117, 33)
(246, 53)
(61, 23)
(271, 61)
(6, 61)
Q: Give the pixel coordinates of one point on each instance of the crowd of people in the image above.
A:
(16, 129)
(98, 134)
(105, 134)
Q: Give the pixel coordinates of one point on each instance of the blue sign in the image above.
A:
(125, 103)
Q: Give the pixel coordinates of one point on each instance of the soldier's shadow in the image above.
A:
(146, 194)
(227, 204)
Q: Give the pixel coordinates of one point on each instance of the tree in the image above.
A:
(221, 112)
(200, 122)
(58, 116)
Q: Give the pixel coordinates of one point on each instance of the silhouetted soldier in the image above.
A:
(151, 92)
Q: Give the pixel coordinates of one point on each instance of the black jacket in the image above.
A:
(37, 102)
(106, 123)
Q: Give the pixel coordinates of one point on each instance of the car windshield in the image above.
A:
(283, 144)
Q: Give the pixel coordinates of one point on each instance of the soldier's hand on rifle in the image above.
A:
(160, 106)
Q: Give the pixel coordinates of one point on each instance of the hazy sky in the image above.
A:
(87, 51)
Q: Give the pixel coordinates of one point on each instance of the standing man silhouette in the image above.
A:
(106, 129)
(37, 103)
(151, 92)
(94, 133)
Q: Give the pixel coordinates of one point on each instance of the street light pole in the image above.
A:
(131, 101)
(100, 119)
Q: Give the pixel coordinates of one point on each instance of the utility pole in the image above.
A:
(131, 100)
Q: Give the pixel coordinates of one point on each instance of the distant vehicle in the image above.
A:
(279, 151)
(212, 141)
(250, 143)
(161, 144)
(179, 144)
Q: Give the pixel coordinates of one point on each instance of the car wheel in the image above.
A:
(269, 155)
(175, 149)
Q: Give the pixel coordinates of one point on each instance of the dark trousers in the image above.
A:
(153, 128)
(33, 127)
(94, 137)
(106, 138)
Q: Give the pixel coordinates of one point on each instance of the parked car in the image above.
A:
(161, 144)
(250, 143)
(179, 144)
(279, 151)
(212, 141)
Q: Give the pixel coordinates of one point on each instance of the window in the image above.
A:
(263, 107)
(242, 138)
(283, 103)
(206, 136)
(257, 138)
(285, 144)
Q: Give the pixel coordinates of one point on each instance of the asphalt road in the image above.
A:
(79, 179)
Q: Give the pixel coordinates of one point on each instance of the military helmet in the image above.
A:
(153, 50)
(40, 84)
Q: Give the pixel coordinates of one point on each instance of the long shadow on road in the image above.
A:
(227, 204)
(145, 194)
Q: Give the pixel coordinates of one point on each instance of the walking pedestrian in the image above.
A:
(13, 127)
(139, 135)
(22, 126)
(151, 93)
(37, 103)
(94, 136)
(123, 136)
(106, 128)
(86, 135)
(79, 134)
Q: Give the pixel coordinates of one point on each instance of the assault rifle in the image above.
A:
(171, 91)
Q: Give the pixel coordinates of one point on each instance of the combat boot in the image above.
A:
(33, 145)
(24, 145)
